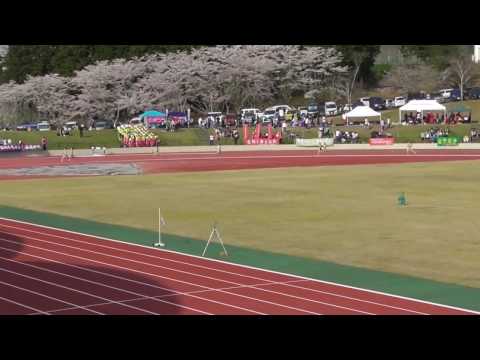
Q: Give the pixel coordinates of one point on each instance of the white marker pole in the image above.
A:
(159, 230)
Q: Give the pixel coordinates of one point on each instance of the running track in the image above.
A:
(51, 271)
(177, 162)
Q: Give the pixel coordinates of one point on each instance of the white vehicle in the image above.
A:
(277, 108)
(72, 125)
(43, 126)
(390, 103)
(365, 101)
(257, 112)
(331, 108)
(136, 121)
(303, 111)
(346, 108)
(250, 115)
(446, 93)
(400, 101)
(269, 115)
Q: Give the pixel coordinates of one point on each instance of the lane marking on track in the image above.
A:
(200, 266)
(159, 297)
(46, 296)
(37, 311)
(248, 267)
(172, 279)
(190, 273)
(73, 290)
(90, 281)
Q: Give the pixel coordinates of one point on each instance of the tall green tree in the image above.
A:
(438, 56)
(365, 70)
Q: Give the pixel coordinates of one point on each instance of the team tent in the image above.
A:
(362, 112)
(153, 118)
(420, 106)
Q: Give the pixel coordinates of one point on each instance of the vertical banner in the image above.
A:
(270, 134)
(258, 130)
(245, 134)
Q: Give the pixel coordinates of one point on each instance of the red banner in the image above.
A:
(262, 141)
(381, 141)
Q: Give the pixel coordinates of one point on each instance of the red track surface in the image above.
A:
(52, 271)
(174, 162)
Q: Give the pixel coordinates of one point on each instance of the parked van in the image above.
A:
(256, 112)
(365, 101)
(446, 93)
(390, 103)
(400, 101)
(331, 108)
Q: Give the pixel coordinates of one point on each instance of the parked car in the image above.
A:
(303, 110)
(446, 93)
(316, 109)
(345, 108)
(27, 127)
(390, 103)
(43, 126)
(102, 125)
(474, 93)
(438, 97)
(280, 107)
(377, 103)
(365, 101)
(269, 115)
(256, 112)
(357, 103)
(417, 96)
(399, 101)
(331, 108)
(455, 95)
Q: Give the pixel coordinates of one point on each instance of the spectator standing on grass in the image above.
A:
(211, 139)
(81, 128)
(44, 143)
(235, 136)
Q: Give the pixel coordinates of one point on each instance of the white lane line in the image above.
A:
(89, 281)
(139, 282)
(244, 266)
(162, 297)
(164, 277)
(201, 267)
(190, 273)
(47, 296)
(73, 290)
(37, 311)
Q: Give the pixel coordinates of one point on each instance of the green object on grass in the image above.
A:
(402, 200)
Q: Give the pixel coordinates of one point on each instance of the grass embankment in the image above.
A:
(347, 215)
(195, 136)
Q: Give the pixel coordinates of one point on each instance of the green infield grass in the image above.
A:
(346, 215)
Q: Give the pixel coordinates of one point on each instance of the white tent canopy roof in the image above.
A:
(362, 111)
(423, 105)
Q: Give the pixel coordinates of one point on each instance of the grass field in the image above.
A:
(347, 215)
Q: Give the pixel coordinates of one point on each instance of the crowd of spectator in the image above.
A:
(433, 134)
(430, 118)
(346, 137)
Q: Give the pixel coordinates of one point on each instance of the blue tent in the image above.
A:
(153, 113)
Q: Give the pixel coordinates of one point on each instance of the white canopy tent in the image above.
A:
(421, 106)
(362, 112)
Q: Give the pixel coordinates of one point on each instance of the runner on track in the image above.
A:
(410, 149)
